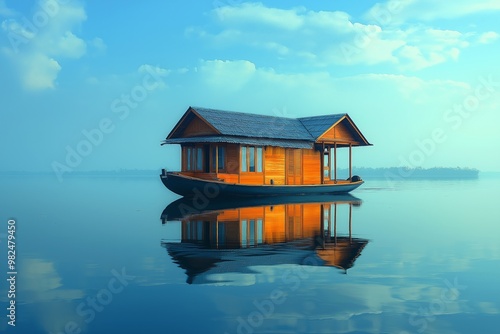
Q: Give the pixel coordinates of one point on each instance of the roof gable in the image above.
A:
(334, 128)
(192, 124)
(317, 125)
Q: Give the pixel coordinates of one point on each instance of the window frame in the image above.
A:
(251, 159)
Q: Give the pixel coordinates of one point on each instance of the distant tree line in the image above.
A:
(415, 173)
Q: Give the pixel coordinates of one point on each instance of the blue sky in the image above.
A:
(106, 81)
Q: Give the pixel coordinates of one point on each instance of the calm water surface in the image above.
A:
(104, 255)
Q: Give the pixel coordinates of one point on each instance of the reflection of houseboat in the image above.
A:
(233, 237)
(238, 154)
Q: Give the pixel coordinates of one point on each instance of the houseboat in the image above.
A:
(227, 153)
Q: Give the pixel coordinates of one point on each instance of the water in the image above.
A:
(93, 256)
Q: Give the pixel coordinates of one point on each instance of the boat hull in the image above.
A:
(191, 186)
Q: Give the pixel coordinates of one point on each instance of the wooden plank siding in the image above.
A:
(274, 165)
(311, 167)
(293, 171)
(339, 132)
(251, 178)
(229, 178)
(283, 166)
(197, 127)
(233, 159)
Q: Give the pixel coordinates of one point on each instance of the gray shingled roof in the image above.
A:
(232, 123)
(317, 125)
(255, 129)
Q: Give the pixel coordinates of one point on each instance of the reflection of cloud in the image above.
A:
(325, 302)
(154, 271)
(40, 284)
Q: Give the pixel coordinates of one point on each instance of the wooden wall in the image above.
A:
(197, 127)
(339, 132)
(274, 165)
(283, 166)
(229, 178)
(293, 162)
(251, 178)
(311, 167)
(232, 159)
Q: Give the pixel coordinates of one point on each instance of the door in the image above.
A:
(293, 166)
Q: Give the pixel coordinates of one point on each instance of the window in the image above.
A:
(243, 158)
(194, 159)
(259, 159)
(251, 159)
(188, 158)
(220, 152)
(221, 157)
(199, 159)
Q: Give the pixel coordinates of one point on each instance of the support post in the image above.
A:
(335, 162)
(350, 161)
(322, 157)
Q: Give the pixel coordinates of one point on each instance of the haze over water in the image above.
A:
(92, 253)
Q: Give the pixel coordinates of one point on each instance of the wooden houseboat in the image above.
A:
(230, 153)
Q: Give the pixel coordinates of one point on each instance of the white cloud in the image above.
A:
(488, 37)
(428, 47)
(68, 45)
(37, 46)
(396, 11)
(40, 71)
(259, 15)
(229, 75)
(98, 44)
(332, 38)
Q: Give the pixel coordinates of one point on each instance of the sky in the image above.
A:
(97, 85)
